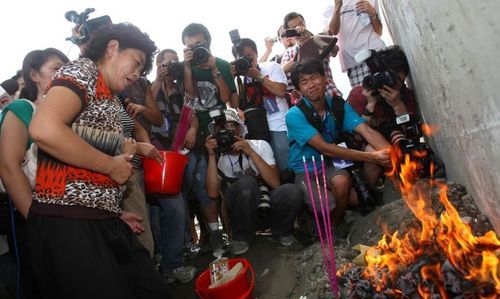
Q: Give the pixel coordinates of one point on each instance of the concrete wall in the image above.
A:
(454, 52)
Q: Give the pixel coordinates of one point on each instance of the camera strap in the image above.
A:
(337, 112)
(256, 96)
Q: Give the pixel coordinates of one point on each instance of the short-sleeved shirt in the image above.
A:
(22, 110)
(231, 167)
(300, 131)
(384, 115)
(356, 33)
(208, 93)
(99, 124)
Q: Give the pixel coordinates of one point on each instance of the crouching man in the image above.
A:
(314, 126)
(244, 172)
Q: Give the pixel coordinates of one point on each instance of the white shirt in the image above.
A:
(230, 165)
(356, 33)
(273, 71)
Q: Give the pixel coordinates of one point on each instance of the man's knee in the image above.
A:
(289, 194)
(340, 185)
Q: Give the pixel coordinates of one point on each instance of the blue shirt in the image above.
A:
(300, 131)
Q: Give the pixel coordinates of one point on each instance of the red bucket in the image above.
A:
(165, 178)
(240, 287)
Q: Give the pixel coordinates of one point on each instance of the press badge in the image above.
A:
(271, 106)
(339, 163)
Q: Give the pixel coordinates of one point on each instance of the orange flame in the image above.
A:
(476, 258)
(429, 130)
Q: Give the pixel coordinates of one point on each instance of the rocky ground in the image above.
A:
(298, 272)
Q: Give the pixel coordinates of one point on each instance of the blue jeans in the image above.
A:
(195, 178)
(279, 144)
(173, 225)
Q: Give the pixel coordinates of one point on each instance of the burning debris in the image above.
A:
(438, 258)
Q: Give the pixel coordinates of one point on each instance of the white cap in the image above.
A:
(231, 114)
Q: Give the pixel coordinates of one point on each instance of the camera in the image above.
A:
(175, 69)
(291, 33)
(380, 74)
(366, 199)
(242, 63)
(225, 138)
(264, 206)
(87, 26)
(201, 53)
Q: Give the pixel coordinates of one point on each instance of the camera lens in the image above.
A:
(225, 139)
(200, 54)
(242, 65)
(176, 70)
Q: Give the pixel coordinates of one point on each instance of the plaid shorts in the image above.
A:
(357, 74)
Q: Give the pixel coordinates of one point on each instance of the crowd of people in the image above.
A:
(82, 224)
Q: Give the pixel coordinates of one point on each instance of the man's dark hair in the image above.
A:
(195, 28)
(163, 52)
(395, 59)
(308, 67)
(34, 60)
(128, 36)
(245, 42)
(290, 16)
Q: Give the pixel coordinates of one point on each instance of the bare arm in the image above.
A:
(150, 111)
(213, 180)
(140, 134)
(52, 124)
(269, 49)
(334, 27)
(374, 138)
(333, 150)
(365, 7)
(13, 141)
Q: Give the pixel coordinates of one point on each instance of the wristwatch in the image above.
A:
(261, 79)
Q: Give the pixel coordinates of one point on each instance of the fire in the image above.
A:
(429, 130)
(475, 258)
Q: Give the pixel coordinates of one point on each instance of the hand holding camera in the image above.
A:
(242, 145)
(392, 97)
(211, 145)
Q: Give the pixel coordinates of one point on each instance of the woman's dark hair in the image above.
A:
(34, 60)
(245, 42)
(308, 67)
(19, 74)
(128, 36)
(162, 53)
(290, 16)
(195, 28)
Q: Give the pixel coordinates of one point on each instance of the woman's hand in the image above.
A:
(133, 221)
(149, 151)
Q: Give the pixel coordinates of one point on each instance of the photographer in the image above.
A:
(208, 79)
(244, 172)
(263, 87)
(307, 139)
(295, 26)
(385, 102)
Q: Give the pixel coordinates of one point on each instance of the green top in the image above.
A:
(208, 93)
(22, 110)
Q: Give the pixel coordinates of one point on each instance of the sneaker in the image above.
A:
(239, 247)
(182, 274)
(217, 243)
(287, 240)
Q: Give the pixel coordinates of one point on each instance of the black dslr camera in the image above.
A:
(380, 74)
(225, 138)
(242, 63)
(175, 69)
(201, 53)
(87, 26)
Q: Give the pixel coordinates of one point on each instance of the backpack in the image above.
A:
(337, 111)
(29, 161)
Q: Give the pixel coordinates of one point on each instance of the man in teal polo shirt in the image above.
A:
(307, 141)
